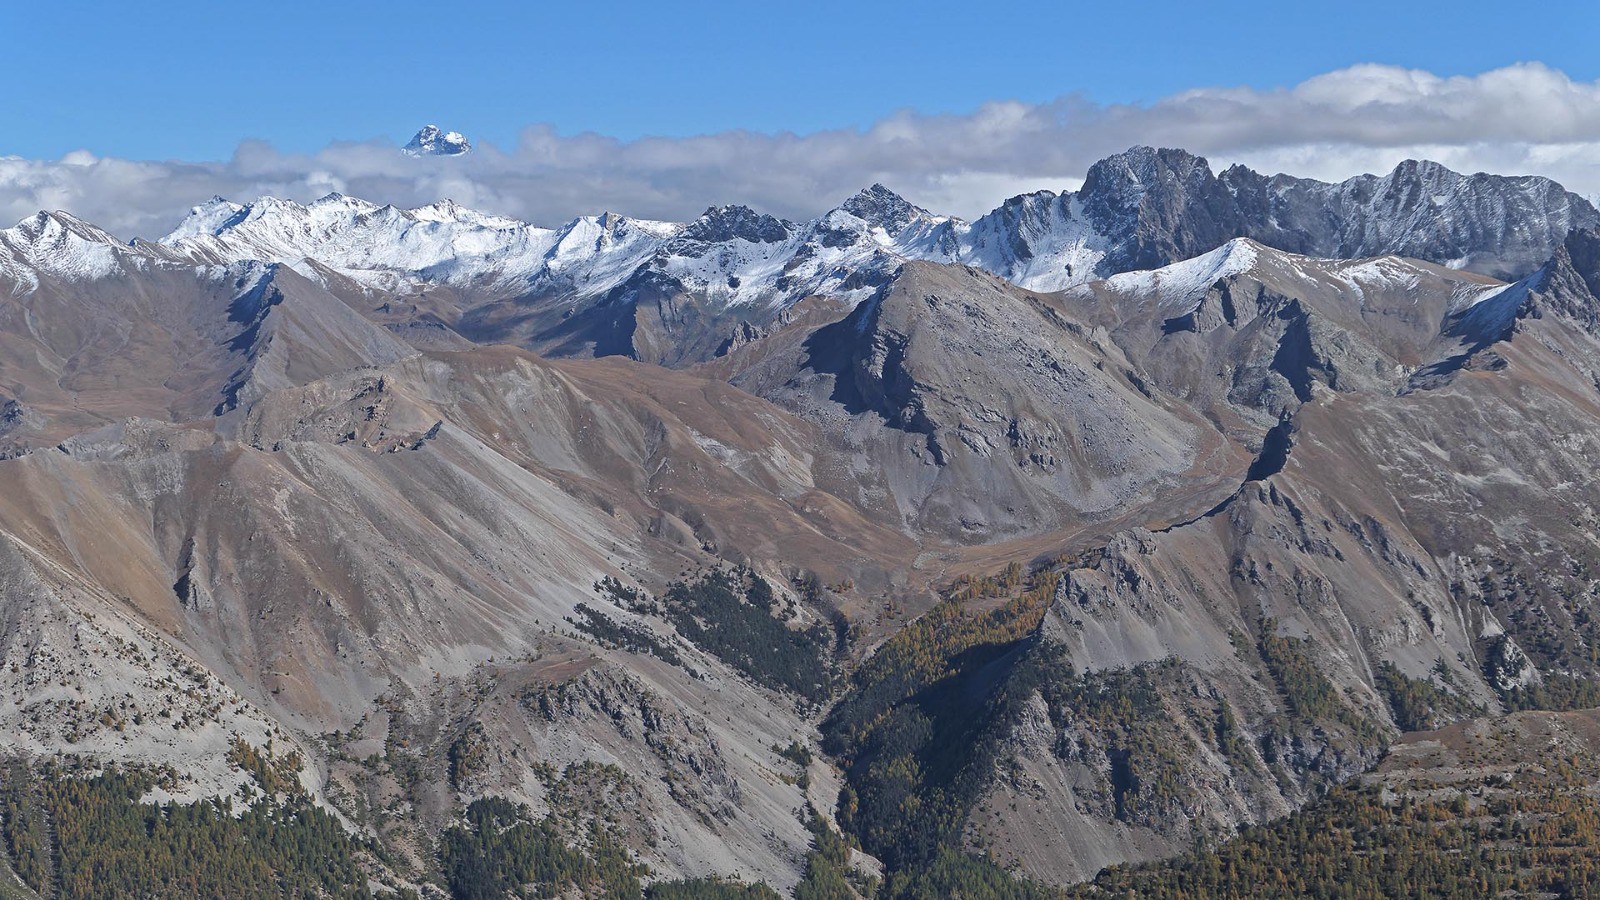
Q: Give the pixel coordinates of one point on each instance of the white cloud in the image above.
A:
(1522, 119)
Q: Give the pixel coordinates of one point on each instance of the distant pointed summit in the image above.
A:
(431, 141)
(877, 205)
(723, 223)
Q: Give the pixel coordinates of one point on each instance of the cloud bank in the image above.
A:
(1522, 119)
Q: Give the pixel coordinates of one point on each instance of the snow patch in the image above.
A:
(1183, 284)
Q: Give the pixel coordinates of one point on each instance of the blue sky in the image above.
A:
(189, 80)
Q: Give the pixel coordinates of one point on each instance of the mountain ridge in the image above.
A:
(1115, 203)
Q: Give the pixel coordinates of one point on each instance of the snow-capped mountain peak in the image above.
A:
(1183, 283)
(209, 217)
(880, 207)
(449, 211)
(56, 226)
(60, 245)
(382, 245)
(432, 141)
(723, 223)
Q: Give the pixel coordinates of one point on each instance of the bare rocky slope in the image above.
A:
(1395, 538)
(870, 515)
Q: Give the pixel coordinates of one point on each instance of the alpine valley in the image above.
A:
(1110, 539)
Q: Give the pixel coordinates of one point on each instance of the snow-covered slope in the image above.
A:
(443, 242)
(1040, 241)
(773, 263)
(732, 253)
(1182, 284)
(1364, 287)
(57, 245)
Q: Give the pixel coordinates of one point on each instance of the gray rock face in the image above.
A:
(1156, 207)
(726, 223)
(882, 208)
(1568, 285)
(1492, 224)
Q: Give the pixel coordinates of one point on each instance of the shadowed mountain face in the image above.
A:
(1160, 206)
(98, 332)
(1245, 330)
(985, 411)
(1106, 522)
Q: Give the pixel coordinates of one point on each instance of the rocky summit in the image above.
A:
(431, 141)
(1086, 548)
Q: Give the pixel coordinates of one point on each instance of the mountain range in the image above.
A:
(868, 548)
